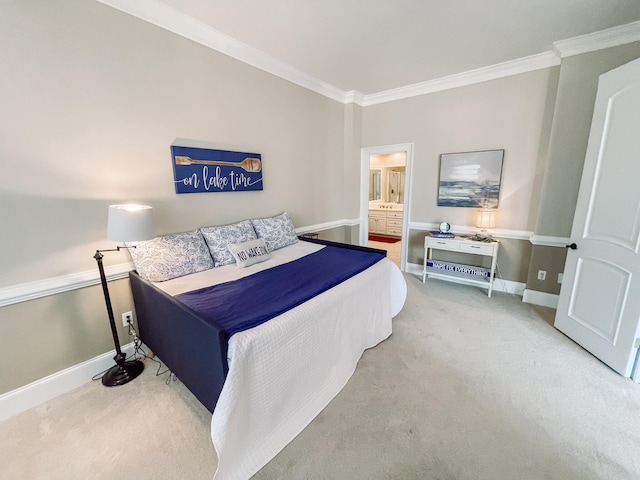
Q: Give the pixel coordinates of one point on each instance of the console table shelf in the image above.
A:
(461, 245)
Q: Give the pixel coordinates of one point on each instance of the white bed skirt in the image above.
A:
(284, 372)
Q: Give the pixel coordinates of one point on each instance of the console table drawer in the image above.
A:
(442, 244)
(477, 249)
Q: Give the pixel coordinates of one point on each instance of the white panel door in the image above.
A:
(599, 305)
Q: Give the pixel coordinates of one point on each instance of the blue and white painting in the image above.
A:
(206, 170)
(470, 179)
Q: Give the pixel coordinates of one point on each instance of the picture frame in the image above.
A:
(470, 179)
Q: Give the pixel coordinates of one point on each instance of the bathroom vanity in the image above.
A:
(386, 221)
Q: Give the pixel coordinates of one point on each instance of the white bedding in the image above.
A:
(284, 372)
(227, 273)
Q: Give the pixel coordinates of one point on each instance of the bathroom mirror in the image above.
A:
(375, 184)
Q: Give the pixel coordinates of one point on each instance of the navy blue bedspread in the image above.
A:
(250, 301)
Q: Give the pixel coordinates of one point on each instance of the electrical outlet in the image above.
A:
(560, 277)
(126, 318)
(542, 274)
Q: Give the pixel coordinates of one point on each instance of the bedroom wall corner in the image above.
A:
(352, 145)
(568, 138)
(576, 92)
(506, 113)
(92, 102)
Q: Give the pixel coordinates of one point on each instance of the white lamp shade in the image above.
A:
(130, 223)
(486, 218)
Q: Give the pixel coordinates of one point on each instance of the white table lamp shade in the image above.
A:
(130, 223)
(486, 218)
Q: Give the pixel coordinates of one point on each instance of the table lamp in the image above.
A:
(126, 223)
(486, 219)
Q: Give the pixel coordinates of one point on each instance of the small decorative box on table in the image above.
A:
(457, 272)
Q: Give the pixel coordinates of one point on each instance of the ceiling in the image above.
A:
(379, 45)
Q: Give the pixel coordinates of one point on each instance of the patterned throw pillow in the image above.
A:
(219, 237)
(277, 231)
(171, 256)
(248, 253)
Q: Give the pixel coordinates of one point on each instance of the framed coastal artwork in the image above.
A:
(205, 170)
(470, 179)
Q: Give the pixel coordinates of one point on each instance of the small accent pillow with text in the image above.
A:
(278, 231)
(248, 253)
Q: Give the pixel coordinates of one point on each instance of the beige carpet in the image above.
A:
(467, 387)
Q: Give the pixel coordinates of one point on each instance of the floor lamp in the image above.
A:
(126, 223)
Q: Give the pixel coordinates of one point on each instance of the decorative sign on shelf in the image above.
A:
(469, 270)
(205, 170)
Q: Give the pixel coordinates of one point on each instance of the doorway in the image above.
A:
(385, 185)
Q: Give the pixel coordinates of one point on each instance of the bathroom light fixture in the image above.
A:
(126, 223)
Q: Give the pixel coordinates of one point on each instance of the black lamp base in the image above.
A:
(121, 374)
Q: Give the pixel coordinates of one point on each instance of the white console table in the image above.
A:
(462, 245)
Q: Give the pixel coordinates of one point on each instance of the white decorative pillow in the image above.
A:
(277, 231)
(248, 253)
(171, 256)
(219, 237)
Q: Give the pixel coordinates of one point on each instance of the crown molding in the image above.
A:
(611, 37)
(178, 22)
(492, 72)
(354, 97)
(169, 18)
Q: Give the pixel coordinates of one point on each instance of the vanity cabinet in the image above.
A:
(394, 223)
(385, 222)
(378, 221)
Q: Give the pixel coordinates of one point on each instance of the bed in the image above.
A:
(266, 380)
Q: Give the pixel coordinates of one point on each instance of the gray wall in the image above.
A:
(512, 113)
(576, 96)
(541, 119)
(577, 87)
(506, 113)
(91, 100)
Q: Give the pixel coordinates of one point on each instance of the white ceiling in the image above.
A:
(379, 45)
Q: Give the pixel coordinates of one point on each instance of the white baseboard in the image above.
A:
(540, 298)
(499, 285)
(413, 269)
(45, 389)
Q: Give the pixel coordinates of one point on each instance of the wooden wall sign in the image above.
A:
(197, 170)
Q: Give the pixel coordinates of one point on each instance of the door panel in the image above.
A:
(599, 305)
(612, 284)
(614, 210)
